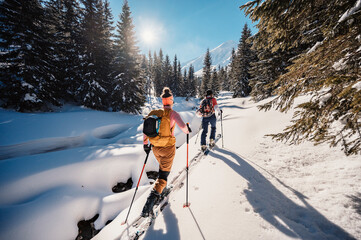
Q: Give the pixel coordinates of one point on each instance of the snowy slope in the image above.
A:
(253, 188)
(59, 168)
(221, 56)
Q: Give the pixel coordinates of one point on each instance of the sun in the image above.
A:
(148, 36)
(151, 32)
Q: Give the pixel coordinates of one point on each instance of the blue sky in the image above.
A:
(184, 27)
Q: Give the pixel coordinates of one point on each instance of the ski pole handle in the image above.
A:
(189, 130)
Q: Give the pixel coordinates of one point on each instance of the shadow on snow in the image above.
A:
(172, 229)
(272, 205)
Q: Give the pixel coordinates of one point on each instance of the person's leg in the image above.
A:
(165, 156)
(205, 131)
(213, 122)
(151, 200)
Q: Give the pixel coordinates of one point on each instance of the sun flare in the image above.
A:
(148, 36)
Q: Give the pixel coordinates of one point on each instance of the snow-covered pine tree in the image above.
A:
(64, 17)
(232, 74)
(158, 72)
(186, 85)
(145, 73)
(94, 87)
(264, 74)
(243, 60)
(191, 82)
(215, 82)
(71, 50)
(206, 76)
(167, 72)
(107, 54)
(266, 70)
(55, 17)
(128, 91)
(26, 82)
(181, 80)
(175, 81)
(224, 79)
(328, 68)
(150, 76)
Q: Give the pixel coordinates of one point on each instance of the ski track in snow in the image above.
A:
(253, 188)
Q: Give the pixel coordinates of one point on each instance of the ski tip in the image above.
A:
(186, 205)
(123, 223)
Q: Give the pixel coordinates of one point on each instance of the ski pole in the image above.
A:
(187, 204)
(222, 127)
(136, 189)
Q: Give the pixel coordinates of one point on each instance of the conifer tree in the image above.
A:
(175, 81)
(224, 79)
(186, 85)
(233, 69)
(107, 54)
(181, 80)
(145, 74)
(192, 84)
(128, 92)
(264, 75)
(54, 13)
(65, 28)
(150, 69)
(326, 34)
(94, 87)
(242, 69)
(158, 73)
(266, 70)
(26, 82)
(167, 72)
(206, 76)
(215, 83)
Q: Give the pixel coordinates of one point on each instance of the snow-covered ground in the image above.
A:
(59, 168)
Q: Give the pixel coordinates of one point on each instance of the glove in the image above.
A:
(147, 148)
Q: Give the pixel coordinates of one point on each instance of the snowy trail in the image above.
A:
(235, 197)
(241, 203)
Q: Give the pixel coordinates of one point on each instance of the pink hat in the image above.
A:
(167, 101)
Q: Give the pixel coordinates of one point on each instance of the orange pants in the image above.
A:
(165, 157)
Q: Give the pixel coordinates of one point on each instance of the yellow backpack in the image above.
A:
(165, 137)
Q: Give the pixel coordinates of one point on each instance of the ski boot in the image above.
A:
(204, 148)
(164, 193)
(148, 207)
(212, 143)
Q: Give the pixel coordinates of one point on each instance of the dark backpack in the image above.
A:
(151, 125)
(206, 108)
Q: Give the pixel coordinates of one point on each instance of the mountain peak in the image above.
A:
(220, 55)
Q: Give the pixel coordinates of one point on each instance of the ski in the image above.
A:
(140, 225)
(210, 148)
(143, 227)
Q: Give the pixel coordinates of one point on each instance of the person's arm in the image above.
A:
(145, 139)
(147, 147)
(216, 106)
(178, 120)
